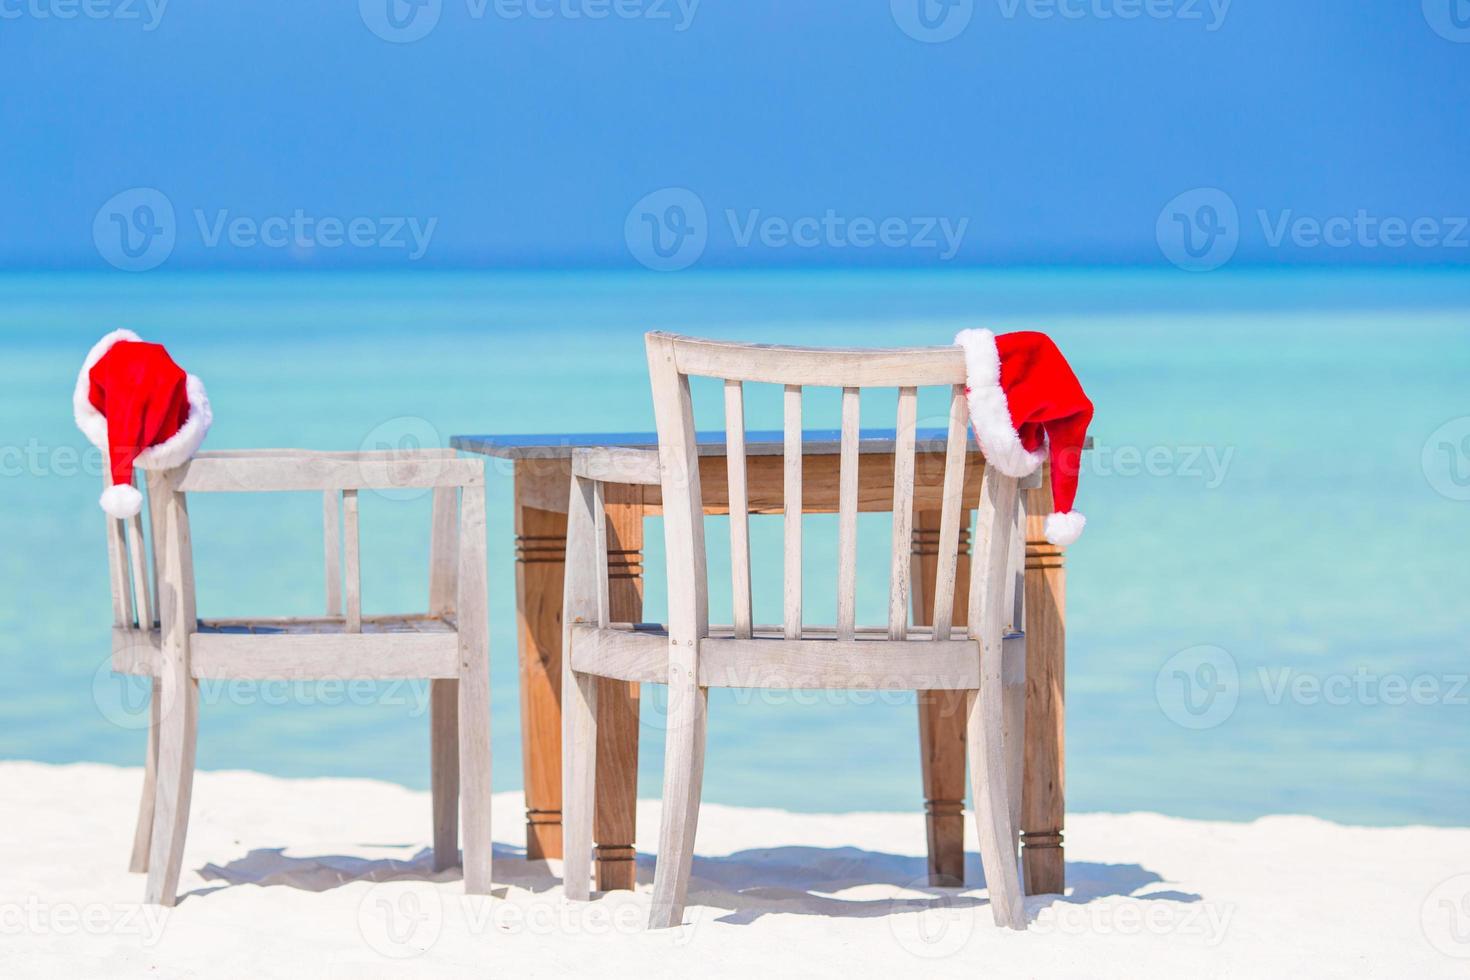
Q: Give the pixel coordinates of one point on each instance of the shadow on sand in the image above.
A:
(746, 885)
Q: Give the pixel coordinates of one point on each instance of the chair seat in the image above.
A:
(639, 652)
(314, 648)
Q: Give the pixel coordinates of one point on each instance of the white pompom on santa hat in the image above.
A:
(139, 407)
(1023, 396)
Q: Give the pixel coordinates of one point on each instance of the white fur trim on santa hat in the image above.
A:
(1062, 529)
(177, 449)
(990, 416)
(92, 422)
(121, 500)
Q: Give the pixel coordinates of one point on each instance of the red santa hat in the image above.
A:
(137, 406)
(1023, 395)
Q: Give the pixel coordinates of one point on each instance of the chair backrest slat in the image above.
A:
(791, 506)
(352, 561)
(673, 360)
(138, 555)
(1016, 581)
(847, 503)
(739, 507)
(117, 574)
(599, 532)
(950, 514)
(332, 546)
(903, 513)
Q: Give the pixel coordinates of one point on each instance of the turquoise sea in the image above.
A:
(1268, 612)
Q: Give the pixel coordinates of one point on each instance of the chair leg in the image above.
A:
(474, 771)
(444, 769)
(143, 831)
(579, 776)
(683, 774)
(988, 783)
(1013, 736)
(177, 734)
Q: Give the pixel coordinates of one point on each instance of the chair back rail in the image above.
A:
(673, 360)
(134, 576)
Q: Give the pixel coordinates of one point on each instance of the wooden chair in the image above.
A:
(156, 633)
(987, 659)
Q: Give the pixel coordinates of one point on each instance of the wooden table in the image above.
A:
(542, 468)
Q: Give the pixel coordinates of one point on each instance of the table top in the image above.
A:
(819, 442)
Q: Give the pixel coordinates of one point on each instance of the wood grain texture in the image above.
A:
(351, 561)
(1043, 805)
(953, 512)
(617, 701)
(443, 692)
(942, 715)
(829, 366)
(581, 612)
(847, 515)
(444, 770)
(900, 570)
(332, 550)
(738, 506)
(540, 561)
(985, 742)
(688, 606)
(214, 473)
(473, 635)
(791, 507)
(178, 715)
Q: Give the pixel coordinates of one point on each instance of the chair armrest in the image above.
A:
(638, 467)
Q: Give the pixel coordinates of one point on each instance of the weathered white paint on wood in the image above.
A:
(739, 507)
(901, 557)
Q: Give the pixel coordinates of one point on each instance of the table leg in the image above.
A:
(1042, 800)
(541, 542)
(941, 713)
(617, 701)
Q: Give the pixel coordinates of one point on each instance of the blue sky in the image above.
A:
(525, 133)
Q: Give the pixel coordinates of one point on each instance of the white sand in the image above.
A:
(328, 878)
